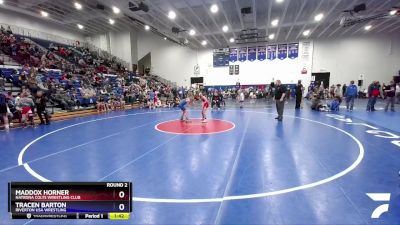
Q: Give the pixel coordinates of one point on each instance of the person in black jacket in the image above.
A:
(280, 95)
(40, 102)
(215, 100)
(299, 94)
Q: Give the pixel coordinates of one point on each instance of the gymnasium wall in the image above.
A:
(376, 57)
(101, 41)
(169, 60)
(122, 44)
(257, 72)
(40, 27)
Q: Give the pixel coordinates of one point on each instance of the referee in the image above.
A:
(280, 94)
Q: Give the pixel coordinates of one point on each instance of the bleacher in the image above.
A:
(10, 79)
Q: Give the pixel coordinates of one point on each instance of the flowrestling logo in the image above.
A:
(395, 140)
(380, 197)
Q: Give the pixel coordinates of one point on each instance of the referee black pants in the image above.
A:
(279, 108)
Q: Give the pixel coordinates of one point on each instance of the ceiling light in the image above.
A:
(225, 28)
(204, 43)
(116, 10)
(306, 33)
(147, 27)
(111, 21)
(214, 8)
(1, 2)
(393, 12)
(275, 22)
(319, 17)
(192, 32)
(80, 26)
(165, 38)
(271, 36)
(279, 1)
(78, 6)
(232, 40)
(368, 27)
(44, 14)
(171, 15)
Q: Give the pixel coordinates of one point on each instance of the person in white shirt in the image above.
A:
(241, 98)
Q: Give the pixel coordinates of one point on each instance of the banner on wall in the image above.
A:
(233, 55)
(306, 49)
(251, 53)
(293, 50)
(261, 53)
(271, 52)
(242, 54)
(236, 69)
(221, 57)
(282, 51)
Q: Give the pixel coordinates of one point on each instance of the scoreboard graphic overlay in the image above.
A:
(70, 200)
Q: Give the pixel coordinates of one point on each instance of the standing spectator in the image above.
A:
(383, 90)
(241, 97)
(373, 93)
(40, 102)
(350, 94)
(390, 95)
(4, 110)
(151, 98)
(398, 93)
(215, 100)
(299, 94)
(344, 89)
(280, 94)
(339, 91)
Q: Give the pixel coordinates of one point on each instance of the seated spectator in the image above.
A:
(26, 105)
(335, 104)
(317, 104)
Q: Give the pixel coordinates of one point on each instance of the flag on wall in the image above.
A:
(233, 55)
(251, 53)
(271, 52)
(282, 51)
(293, 50)
(261, 53)
(242, 54)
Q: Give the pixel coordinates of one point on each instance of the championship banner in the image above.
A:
(242, 54)
(282, 51)
(261, 53)
(251, 53)
(271, 52)
(293, 50)
(233, 55)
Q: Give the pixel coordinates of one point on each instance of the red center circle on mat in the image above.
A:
(195, 126)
